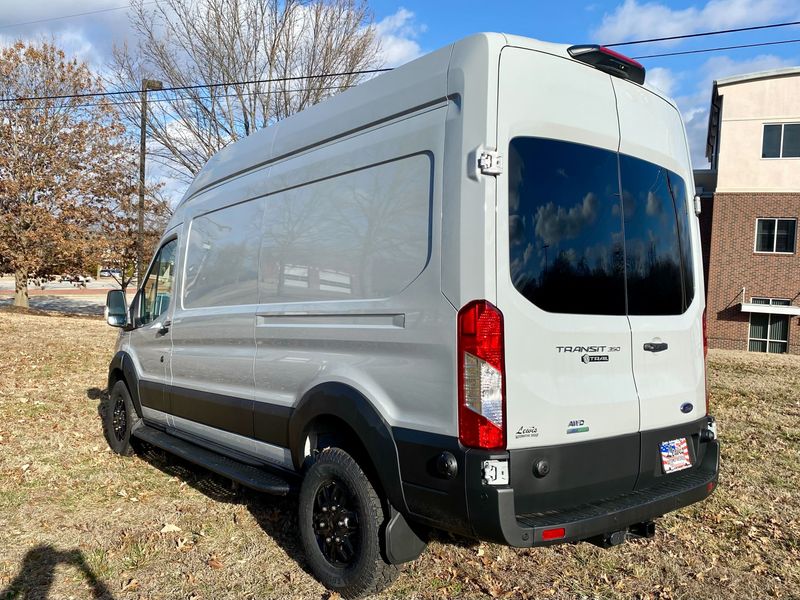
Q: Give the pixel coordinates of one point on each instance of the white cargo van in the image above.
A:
(464, 295)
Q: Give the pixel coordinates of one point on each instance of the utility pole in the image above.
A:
(147, 84)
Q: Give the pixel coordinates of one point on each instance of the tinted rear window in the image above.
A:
(565, 227)
(575, 246)
(655, 213)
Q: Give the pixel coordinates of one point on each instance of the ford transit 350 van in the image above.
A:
(464, 295)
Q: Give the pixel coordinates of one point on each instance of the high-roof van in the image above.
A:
(464, 295)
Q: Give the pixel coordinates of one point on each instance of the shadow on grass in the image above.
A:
(276, 515)
(35, 577)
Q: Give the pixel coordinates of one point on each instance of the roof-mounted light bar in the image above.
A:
(608, 61)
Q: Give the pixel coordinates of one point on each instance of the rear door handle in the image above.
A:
(164, 328)
(655, 346)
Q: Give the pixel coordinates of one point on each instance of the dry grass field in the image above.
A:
(76, 521)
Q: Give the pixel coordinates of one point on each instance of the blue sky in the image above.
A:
(413, 27)
(429, 25)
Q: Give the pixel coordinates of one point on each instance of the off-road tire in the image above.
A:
(368, 572)
(119, 417)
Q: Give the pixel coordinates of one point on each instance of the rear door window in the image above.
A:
(565, 227)
(658, 266)
(579, 246)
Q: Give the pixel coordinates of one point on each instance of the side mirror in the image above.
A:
(116, 309)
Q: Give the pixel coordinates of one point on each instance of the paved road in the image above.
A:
(73, 304)
(99, 286)
(63, 297)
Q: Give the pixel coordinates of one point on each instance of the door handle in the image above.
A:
(655, 346)
(164, 328)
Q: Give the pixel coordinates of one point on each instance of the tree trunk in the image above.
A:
(21, 288)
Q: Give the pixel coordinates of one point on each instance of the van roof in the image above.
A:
(417, 84)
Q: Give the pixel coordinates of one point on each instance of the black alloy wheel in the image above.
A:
(341, 517)
(120, 418)
(336, 524)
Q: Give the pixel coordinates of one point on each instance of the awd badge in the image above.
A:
(577, 426)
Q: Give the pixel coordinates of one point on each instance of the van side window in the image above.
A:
(654, 257)
(157, 289)
(364, 234)
(222, 257)
(565, 227)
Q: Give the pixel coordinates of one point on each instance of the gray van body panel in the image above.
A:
(359, 325)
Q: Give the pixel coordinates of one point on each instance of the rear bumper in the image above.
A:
(593, 488)
(493, 516)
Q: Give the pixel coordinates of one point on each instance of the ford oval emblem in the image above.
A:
(687, 407)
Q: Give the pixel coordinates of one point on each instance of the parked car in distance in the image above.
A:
(464, 295)
(110, 272)
(76, 279)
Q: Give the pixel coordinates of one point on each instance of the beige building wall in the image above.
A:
(746, 107)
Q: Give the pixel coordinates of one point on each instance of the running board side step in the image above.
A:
(249, 476)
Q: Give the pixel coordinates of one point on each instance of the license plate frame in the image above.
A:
(675, 455)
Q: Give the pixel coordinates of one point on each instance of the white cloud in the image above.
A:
(74, 42)
(662, 79)
(634, 19)
(397, 34)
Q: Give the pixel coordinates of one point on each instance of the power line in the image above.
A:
(703, 34)
(193, 98)
(193, 87)
(717, 49)
(81, 14)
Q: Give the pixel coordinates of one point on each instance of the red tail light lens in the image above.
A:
(553, 534)
(481, 376)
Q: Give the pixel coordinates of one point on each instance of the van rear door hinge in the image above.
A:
(490, 162)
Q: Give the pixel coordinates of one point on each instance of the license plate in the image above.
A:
(675, 455)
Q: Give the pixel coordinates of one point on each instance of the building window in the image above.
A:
(769, 333)
(776, 235)
(781, 140)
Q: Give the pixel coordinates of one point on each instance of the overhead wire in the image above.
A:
(194, 86)
(703, 34)
(382, 70)
(81, 14)
(193, 98)
(704, 50)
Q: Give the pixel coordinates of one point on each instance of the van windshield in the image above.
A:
(592, 231)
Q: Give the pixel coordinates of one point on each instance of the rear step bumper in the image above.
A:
(247, 475)
(614, 514)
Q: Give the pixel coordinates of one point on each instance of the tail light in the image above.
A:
(609, 61)
(481, 376)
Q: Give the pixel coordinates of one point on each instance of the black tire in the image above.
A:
(119, 417)
(354, 567)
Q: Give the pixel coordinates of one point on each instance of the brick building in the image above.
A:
(750, 208)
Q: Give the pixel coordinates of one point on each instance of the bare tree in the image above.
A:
(295, 53)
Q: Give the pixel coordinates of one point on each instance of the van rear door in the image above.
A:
(560, 268)
(665, 293)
